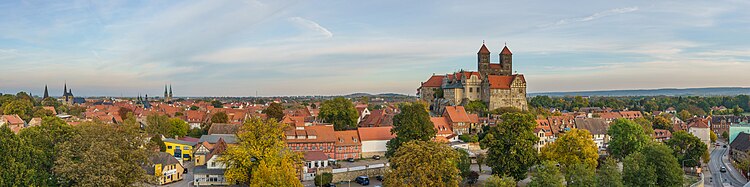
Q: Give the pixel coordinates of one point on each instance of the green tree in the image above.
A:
(16, 157)
(647, 126)
(637, 171)
(323, 179)
(541, 101)
(510, 145)
(660, 156)
(580, 175)
(626, 137)
(42, 140)
(195, 133)
(737, 111)
(504, 110)
(495, 181)
(220, 117)
(341, 112)
(463, 162)
(260, 157)
(713, 137)
(423, 163)
(193, 107)
(573, 147)
(481, 157)
(547, 175)
(469, 138)
(156, 142)
(21, 107)
(217, 104)
(609, 174)
(102, 155)
(413, 123)
(274, 111)
(687, 148)
(684, 115)
(123, 112)
(660, 122)
(178, 127)
(476, 107)
(725, 135)
(40, 112)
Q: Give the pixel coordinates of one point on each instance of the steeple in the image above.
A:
(46, 93)
(483, 60)
(170, 91)
(65, 89)
(165, 92)
(506, 61)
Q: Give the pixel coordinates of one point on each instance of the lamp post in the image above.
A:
(683, 163)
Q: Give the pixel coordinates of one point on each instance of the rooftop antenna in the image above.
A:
(482, 42)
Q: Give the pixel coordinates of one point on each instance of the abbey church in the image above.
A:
(494, 83)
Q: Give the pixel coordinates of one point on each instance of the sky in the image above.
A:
(279, 47)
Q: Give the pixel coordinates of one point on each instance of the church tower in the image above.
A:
(166, 96)
(170, 92)
(506, 61)
(46, 93)
(483, 60)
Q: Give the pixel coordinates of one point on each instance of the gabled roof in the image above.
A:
(593, 125)
(457, 114)
(375, 133)
(441, 125)
(506, 51)
(13, 119)
(348, 137)
(213, 138)
(500, 81)
(223, 128)
(741, 142)
(315, 156)
(698, 123)
(483, 50)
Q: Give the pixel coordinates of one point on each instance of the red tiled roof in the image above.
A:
(474, 118)
(434, 81)
(483, 50)
(698, 123)
(375, 133)
(14, 119)
(506, 51)
(348, 137)
(456, 114)
(500, 82)
(315, 155)
(441, 125)
(51, 108)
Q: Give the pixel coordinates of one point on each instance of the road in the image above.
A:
(718, 159)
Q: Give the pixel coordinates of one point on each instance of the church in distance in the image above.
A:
(495, 84)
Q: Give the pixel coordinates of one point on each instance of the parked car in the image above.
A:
(376, 157)
(723, 169)
(717, 144)
(725, 146)
(329, 185)
(362, 180)
(379, 178)
(350, 159)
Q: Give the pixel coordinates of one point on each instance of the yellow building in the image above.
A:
(179, 149)
(165, 168)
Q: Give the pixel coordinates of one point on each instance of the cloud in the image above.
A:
(594, 16)
(311, 25)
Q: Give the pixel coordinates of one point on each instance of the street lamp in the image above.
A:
(683, 162)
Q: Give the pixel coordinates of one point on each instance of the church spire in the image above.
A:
(46, 93)
(170, 91)
(65, 89)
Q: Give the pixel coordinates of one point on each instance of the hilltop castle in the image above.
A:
(495, 84)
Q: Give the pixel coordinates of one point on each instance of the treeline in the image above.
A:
(26, 107)
(694, 104)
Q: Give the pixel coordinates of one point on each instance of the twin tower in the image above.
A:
(504, 68)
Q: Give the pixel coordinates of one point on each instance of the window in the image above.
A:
(169, 147)
(186, 147)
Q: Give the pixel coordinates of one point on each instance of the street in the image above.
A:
(718, 159)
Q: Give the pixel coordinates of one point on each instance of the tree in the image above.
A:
(193, 107)
(40, 112)
(217, 104)
(220, 117)
(503, 110)
(510, 145)
(21, 107)
(42, 141)
(737, 111)
(626, 137)
(684, 115)
(423, 163)
(469, 138)
(495, 181)
(156, 142)
(687, 148)
(637, 171)
(274, 111)
(573, 147)
(476, 107)
(541, 101)
(463, 162)
(480, 160)
(725, 135)
(547, 175)
(195, 133)
(647, 126)
(123, 112)
(163, 125)
(713, 137)
(260, 157)
(413, 123)
(15, 155)
(178, 127)
(660, 122)
(323, 179)
(580, 175)
(102, 155)
(341, 112)
(609, 174)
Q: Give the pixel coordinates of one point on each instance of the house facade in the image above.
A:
(374, 140)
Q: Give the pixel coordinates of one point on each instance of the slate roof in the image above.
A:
(179, 141)
(593, 125)
(213, 138)
(224, 128)
(741, 142)
(203, 170)
(162, 158)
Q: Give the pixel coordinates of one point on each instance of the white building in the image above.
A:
(374, 140)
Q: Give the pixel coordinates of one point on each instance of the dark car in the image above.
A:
(723, 169)
(329, 185)
(350, 159)
(376, 157)
(363, 180)
(725, 146)
(379, 178)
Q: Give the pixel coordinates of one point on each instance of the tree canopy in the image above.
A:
(573, 147)
(687, 148)
(423, 163)
(654, 165)
(547, 175)
(220, 117)
(274, 111)
(339, 111)
(510, 145)
(609, 174)
(413, 123)
(626, 137)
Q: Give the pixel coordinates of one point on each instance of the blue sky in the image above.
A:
(235, 48)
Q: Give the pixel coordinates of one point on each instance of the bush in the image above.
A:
(469, 138)
(322, 179)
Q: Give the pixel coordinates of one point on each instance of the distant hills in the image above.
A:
(721, 91)
(357, 95)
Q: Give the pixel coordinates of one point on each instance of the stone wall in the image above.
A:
(351, 175)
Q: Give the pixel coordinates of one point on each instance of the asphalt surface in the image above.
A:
(731, 177)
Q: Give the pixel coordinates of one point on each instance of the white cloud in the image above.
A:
(311, 25)
(594, 16)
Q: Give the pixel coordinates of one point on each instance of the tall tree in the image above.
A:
(123, 112)
(463, 162)
(684, 115)
(609, 174)
(220, 117)
(103, 155)
(648, 127)
(423, 163)
(637, 171)
(16, 156)
(653, 166)
(580, 175)
(495, 181)
(661, 122)
(21, 107)
(687, 148)
(413, 123)
(573, 147)
(260, 157)
(42, 140)
(341, 112)
(626, 137)
(510, 145)
(217, 104)
(476, 107)
(274, 111)
(481, 157)
(547, 175)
